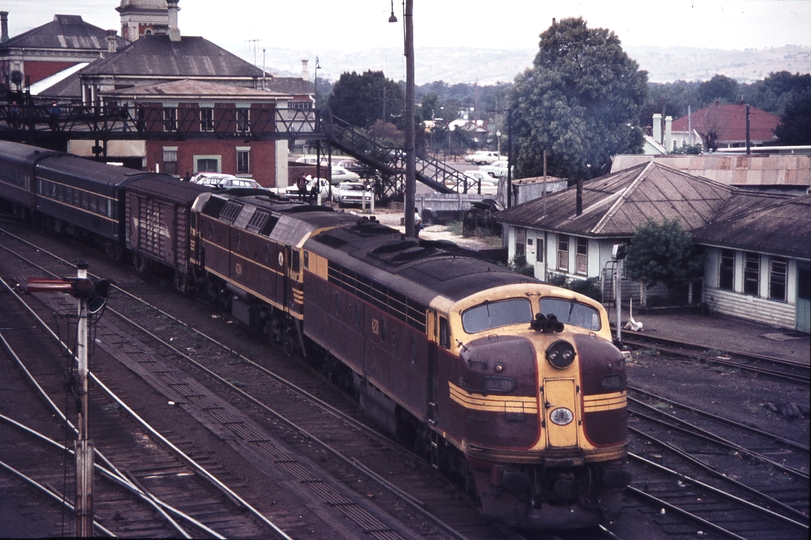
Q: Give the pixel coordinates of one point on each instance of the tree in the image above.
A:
(795, 124)
(720, 88)
(362, 99)
(664, 253)
(580, 101)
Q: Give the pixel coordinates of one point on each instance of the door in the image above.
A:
(560, 412)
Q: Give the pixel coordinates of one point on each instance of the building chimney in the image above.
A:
(112, 43)
(305, 71)
(4, 25)
(657, 128)
(579, 203)
(174, 31)
(668, 133)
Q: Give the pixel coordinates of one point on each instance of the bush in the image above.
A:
(519, 265)
(589, 287)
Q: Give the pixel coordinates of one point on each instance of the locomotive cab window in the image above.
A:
(496, 314)
(571, 312)
(444, 333)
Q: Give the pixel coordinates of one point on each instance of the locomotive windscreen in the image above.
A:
(571, 312)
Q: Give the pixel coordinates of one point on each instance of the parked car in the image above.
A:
(225, 181)
(483, 157)
(292, 190)
(498, 169)
(312, 159)
(339, 174)
(354, 193)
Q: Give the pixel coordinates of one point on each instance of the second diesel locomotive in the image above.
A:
(506, 382)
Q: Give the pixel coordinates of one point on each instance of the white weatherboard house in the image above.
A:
(762, 238)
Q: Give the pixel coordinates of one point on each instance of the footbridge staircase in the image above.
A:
(387, 159)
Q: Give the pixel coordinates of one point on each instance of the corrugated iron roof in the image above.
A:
(191, 88)
(159, 56)
(64, 32)
(617, 204)
(772, 224)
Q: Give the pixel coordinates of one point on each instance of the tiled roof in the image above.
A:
(191, 57)
(729, 122)
(617, 204)
(67, 32)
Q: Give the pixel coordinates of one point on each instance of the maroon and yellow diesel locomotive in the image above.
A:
(511, 384)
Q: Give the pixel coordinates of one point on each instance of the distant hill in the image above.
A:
(490, 66)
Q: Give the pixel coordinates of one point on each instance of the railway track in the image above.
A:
(144, 486)
(334, 435)
(687, 462)
(779, 368)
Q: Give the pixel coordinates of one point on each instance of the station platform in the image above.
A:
(723, 333)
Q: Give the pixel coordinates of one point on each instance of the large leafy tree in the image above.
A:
(580, 102)
(721, 88)
(795, 124)
(664, 253)
(361, 99)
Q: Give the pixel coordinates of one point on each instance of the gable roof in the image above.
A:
(617, 204)
(191, 57)
(776, 225)
(67, 32)
(729, 123)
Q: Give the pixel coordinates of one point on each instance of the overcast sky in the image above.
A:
(324, 25)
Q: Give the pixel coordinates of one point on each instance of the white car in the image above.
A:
(354, 193)
(224, 181)
(483, 157)
(339, 174)
(497, 170)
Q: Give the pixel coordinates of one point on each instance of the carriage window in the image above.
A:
(496, 314)
(571, 312)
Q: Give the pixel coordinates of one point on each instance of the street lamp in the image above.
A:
(411, 156)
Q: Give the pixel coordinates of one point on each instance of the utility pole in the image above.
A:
(91, 298)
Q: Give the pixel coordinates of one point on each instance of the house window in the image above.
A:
(582, 257)
(170, 160)
(563, 252)
(206, 119)
(751, 274)
(726, 281)
(539, 255)
(243, 161)
(170, 119)
(205, 164)
(520, 242)
(777, 279)
(243, 120)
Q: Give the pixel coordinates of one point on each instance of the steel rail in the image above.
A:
(138, 491)
(721, 493)
(787, 442)
(712, 472)
(50, 494)
(182, 455)
(703, 434)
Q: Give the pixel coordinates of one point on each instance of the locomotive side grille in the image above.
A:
(392, 302)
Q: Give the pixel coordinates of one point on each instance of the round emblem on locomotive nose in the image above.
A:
(561, 416)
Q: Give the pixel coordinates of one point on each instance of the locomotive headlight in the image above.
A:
(561, 416)
(560, 354)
